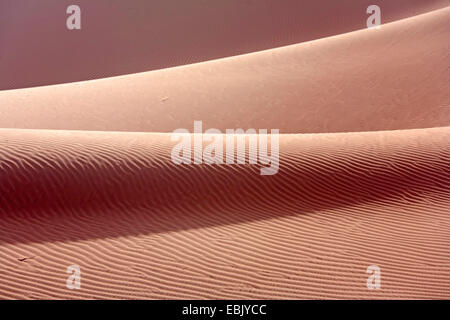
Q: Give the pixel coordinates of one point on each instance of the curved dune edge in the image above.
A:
(141, 227)
(393, 78)
(124, 37)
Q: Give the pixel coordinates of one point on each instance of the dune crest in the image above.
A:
(388, 79)
(123, 37)
(142, 227)
(88, 179)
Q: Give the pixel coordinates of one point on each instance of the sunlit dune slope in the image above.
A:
(393, 78)
(364, 159)
(121, 37)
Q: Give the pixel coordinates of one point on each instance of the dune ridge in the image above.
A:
(120, 37)
(86, 176)
(385, 79)
(143, 227)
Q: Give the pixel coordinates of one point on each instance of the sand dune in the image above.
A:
(367, 80)
(121, 37)
(86, 175)
(142, 227)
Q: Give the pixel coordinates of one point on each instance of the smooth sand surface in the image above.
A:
(388, 79)
(120, 37)
(363, 180)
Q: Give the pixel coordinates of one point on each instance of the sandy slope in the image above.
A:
(121, 37)
(141, 227)
(393, 78)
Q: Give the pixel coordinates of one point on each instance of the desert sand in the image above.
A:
(122, 37)
(86, 176)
